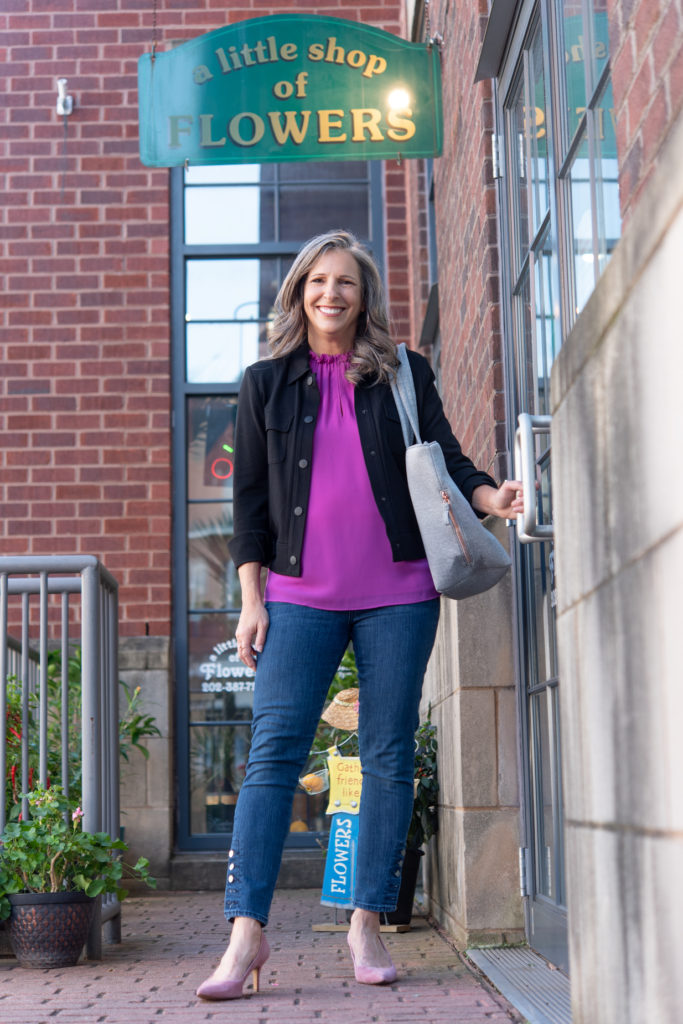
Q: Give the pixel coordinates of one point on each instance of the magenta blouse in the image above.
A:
(346, 558)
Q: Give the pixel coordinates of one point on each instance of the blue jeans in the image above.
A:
(301, 654)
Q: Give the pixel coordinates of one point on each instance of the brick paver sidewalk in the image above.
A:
(172, 941)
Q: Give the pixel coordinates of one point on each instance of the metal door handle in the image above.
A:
(528, 527)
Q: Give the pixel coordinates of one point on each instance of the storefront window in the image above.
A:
(236, 231)
(588, 157)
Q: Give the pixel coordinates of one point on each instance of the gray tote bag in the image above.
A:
(464, 558)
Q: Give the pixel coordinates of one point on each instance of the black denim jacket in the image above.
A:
(276, 416)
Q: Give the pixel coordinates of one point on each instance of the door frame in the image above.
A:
(544, 920)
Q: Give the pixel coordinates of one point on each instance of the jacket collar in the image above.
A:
(298, 362)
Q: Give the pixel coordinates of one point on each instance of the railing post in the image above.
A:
(91, 725)
(4, 651)
(65, 694)
(110, 663)
(42, 739)
(25, 691)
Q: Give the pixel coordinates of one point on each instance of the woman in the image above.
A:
(320, 498)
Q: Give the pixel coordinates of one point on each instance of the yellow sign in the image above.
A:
(345, 785)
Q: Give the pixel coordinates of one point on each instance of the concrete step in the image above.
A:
(192, 871)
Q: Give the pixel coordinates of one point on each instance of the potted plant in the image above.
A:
(50, 873)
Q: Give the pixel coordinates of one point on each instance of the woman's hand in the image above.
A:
(506, 501)
(253, 622)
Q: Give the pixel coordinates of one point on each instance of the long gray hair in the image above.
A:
(374, 352)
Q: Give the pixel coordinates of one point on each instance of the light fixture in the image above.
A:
(65, 103)
(399, 99)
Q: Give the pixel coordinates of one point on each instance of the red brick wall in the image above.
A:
(646, 45)
(418, 268)
(85, 384)
(465, 198)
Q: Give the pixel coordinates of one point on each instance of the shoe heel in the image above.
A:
(255, 979)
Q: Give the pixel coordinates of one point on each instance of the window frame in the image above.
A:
(181, 391)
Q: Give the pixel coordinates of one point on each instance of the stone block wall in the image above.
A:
(147, 784)
(617, 424)
(472, 875)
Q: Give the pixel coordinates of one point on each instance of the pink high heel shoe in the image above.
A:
(211, 989)
(373, 975)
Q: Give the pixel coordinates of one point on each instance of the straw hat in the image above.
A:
(342, 711)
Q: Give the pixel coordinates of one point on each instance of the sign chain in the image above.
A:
(431, 40)
(154, 30)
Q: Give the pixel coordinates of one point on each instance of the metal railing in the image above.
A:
(22, 580)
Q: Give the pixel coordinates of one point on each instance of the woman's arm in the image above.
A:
(253, 622)
(251, 540)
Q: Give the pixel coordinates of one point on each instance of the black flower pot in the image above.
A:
(406, 893)
(49, 929)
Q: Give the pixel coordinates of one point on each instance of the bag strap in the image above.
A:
(403, 388)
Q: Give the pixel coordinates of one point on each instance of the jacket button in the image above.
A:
(309, 381)
(373, 452)
(298, 511)
(383, 498)
(303, 463)
(292, 559)
(308, 419)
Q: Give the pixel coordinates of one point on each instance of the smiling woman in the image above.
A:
(332, 302)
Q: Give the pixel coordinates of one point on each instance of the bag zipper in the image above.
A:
(449, 517)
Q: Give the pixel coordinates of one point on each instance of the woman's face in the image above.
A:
(333, 301)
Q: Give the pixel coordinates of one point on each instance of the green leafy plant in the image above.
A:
(134, 727)
(133, 724)
(51, 853)
(425, 819)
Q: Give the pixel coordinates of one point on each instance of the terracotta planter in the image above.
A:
(49, 929)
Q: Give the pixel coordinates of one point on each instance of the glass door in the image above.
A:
(559, 222)
(533, 340)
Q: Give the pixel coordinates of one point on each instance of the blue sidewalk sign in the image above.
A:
(340, 866)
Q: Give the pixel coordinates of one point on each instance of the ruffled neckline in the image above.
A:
(324, 358)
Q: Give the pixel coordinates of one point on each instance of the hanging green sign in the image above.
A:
(290, 87)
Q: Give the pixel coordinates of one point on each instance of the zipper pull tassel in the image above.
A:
(446, 507)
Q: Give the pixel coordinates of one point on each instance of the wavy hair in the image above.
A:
(374, 352)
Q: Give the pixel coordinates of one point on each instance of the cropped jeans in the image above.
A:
(300, 657)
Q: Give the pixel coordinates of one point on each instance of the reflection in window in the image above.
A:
(582, 227)
(215, 215)
(589, 145)
(211, 439)
(547, 314)
(538, 136)
(222, 351)
(212, 577)
(252, 204)
(607, 178)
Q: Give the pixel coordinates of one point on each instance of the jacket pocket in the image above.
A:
(391, 426)
(278, 430)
